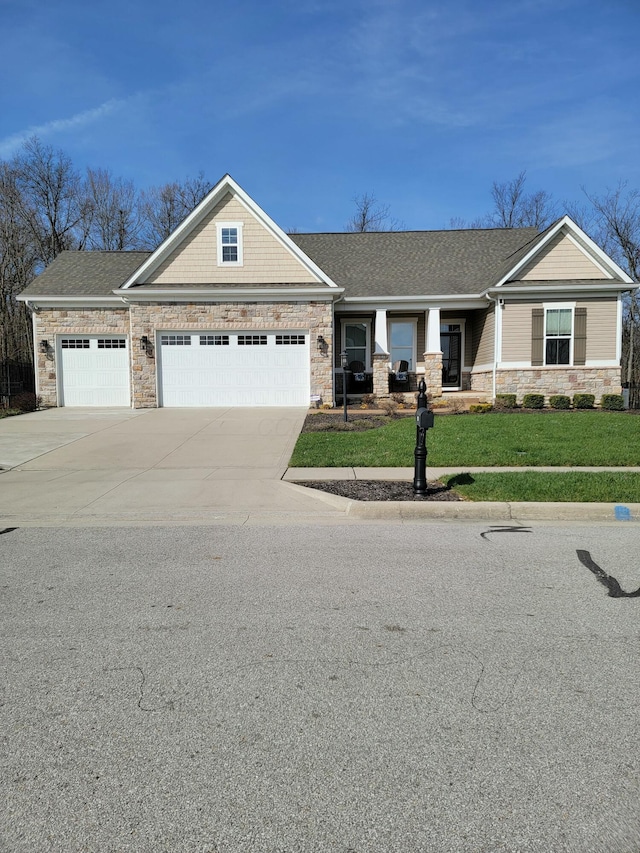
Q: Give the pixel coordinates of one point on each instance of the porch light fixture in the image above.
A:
(146, 346)
(322, 344)
(44, 346)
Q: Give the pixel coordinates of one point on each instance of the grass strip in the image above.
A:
(576, 487)
(495, 439)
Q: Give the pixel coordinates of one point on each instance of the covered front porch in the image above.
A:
(388, 351)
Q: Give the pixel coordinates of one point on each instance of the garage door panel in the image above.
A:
(94, 371)
(249, 369)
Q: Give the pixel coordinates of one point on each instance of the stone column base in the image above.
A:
(433, 373)
(381, 374)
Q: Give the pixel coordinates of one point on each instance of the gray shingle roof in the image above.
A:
(414, 263)
(85, 273)
(390, 263)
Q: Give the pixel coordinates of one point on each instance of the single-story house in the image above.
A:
(231, 310)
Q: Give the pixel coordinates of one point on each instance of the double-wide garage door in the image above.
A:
(233, 369)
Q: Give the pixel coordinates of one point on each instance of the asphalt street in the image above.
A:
(426, 686)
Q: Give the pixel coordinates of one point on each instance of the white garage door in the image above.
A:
(234, 369)
(94, 370)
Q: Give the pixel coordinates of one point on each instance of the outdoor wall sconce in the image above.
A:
(323, 346)
(44, 347)
(146, 346)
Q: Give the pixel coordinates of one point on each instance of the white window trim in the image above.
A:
(414, 322)
(555, 306)
(352, 321)
(238, 226)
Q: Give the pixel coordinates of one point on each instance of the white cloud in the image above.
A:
(9, 144)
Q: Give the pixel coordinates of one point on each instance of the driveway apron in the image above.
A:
(110, 465)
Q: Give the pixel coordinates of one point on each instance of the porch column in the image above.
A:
(380, 356)
(433, 354)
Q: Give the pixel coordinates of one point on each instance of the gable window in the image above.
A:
(558, 334)
(402, 342)
(229, 243)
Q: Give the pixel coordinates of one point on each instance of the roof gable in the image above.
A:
(564, 251)
(189, 255)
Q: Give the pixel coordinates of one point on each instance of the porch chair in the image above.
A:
(400, 373)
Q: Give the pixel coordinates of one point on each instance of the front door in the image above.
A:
(451, 344)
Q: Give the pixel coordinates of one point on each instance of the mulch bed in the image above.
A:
(381, 490)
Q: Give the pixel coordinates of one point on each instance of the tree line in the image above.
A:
(48, 206)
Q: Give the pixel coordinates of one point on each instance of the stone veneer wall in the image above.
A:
(548, 381)
(148, 318)
(70, 321)
(433, 373)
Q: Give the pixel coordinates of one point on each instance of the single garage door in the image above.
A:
(234, 369)
(94, 371)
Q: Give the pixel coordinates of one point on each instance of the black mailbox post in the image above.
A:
(424, 421)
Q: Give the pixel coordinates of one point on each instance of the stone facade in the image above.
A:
(548, 381)
(149, 318)
(433, 373)
(71, 321)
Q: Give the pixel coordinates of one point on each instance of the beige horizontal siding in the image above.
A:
(561, 259)
(602, 317)
(482, 337)
(265, 260)
(602, 324)
(516, 331)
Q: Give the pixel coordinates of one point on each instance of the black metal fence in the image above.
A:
(16, 378)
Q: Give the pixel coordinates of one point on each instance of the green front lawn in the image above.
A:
(495, 439)
(576, 486)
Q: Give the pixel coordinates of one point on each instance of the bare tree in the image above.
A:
(112, 212)
(51, 201)
(370, 215)
(18, 260)
(515, 208)
(163, 208)
(617, 222)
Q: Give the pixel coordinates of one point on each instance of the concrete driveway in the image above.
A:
(118, 465)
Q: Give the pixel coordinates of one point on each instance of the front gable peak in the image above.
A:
(564, 251)
(228, 238)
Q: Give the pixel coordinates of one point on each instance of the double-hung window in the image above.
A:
(558, 327)
(229, 244)
(402, 342)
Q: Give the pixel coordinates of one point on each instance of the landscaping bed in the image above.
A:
(383, 490)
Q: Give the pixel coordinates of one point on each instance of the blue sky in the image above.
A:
(307, 103)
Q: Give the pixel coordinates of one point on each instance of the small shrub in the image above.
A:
(326, 406)
(612, 402)
(389, 407)
(398, 398)
(560, 401)
(480, 408)
(533, 401)
(583, 401)
(25, 402)
(368, 400)
(505, 401)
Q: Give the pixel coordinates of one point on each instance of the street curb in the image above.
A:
(493, 510)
